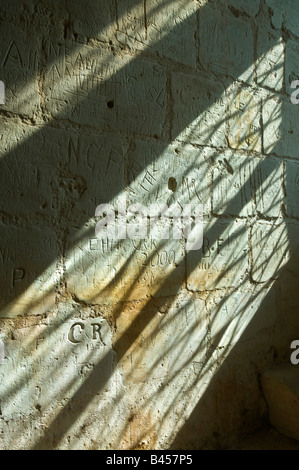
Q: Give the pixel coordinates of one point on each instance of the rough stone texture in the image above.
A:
(291, 65)
(244, 122)
(270, 63)
(86, 87)
(142, 343)
(227, 56)
(197, 103)
(20, 58)
(292, 182)
(245, 186)
(281, 388)
(270, 250)
(284, 14)
(222, 260)
(150, 26)
(27, 275)
(280, 127)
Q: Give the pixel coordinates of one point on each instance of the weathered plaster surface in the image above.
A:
(128, 344)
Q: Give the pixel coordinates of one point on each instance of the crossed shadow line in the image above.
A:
(170, 277)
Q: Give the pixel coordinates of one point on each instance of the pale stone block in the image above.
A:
(223, 259)
(198, 110)
(20, 56)
(292, 266)
(270, 250)
(225, 44)
(235, 313)
(94, 172)
(28, 265)
(176, 174)
(270, 59)
(288, 304)
(93, 264)
(111, 271)
(132, 25)
(90, 171)
(92, 20)
(284, 13)
(38, 18)
(281, 389)
(245, 185)
(96, 87)
(291, 65)
(125, 363)
(266, 183)
(165, 343)
(250, 8)
(28, 167)
(64, 360)
(292, 188)
(244, 119)
(168, 30)
(281, 127)
(236, 7)
(232, 193)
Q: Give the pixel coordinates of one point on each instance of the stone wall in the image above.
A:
(140, 343)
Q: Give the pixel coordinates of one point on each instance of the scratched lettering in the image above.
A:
(244, 119)
(28, 267)
(87, 91)
(2, 93)
(115, 267)
(166, 333)
(246, 187)
(168, 176)
(19, 56)
(225, 245)
(270, 250)
(192, 122)
(270, 67)
(229, 52)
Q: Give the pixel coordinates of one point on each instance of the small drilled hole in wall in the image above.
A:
(172, 184)
(110, 104)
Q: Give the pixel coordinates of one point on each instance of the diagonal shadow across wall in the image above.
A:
(122, 116)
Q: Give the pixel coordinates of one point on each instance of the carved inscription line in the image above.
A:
(94, 333)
